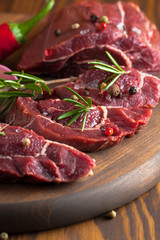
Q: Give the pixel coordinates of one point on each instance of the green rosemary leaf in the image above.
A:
(13, 84)
(15, 94)
(74, 118)
(109, 78)
(107, 66)
(68, 114)
(113, 81)
(75, 93)
(78, 111)
(3, 101)
(24, 75)
(24, 82)
(32, 86)
(113, 61)
(117, 72)
(8, 105)
(84, 121)
(77, 104)
(45, 87)
(105, 69)
(89, 101)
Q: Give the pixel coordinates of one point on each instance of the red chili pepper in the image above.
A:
(12, 35)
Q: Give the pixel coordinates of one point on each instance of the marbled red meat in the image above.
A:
(41, 160)
(130, 37)
(147, 86)
(42, 116)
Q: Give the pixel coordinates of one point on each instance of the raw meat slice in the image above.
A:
(40, 160)
(129, 36)
(41, 117)
(148, 89)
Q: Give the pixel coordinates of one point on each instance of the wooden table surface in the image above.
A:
(139, 220)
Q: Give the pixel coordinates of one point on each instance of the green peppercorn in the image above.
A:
(104, 19)
(26, 142)
(132, 90)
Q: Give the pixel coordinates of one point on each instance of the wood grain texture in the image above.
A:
(137, 220)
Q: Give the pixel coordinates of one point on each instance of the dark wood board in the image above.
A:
(123, 173)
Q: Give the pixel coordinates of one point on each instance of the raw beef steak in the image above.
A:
(75, 35)
(42, 116)
(87, 84)
(28, 157)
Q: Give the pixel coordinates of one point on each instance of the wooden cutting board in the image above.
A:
(123, 173)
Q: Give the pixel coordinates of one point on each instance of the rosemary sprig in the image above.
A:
(18, 87)
(83, 107)
(116, 71)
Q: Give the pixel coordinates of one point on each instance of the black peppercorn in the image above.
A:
(57, 32)
(132, 90)
(94, 18)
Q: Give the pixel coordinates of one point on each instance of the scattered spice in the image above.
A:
(48, 52)
(102, 26)
(132, 90)
(110, 215)
(94, 18)
(120, 95)
(26, 142)
(103, 86)
(57, 32)
(3, 236)
(116, 71)
(75, 26)
(104, 19)
(114, 90)
(108, 131)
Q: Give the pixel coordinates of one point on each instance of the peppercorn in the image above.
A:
(4, 236)
(102, 86)
(102, 26)
(132, 90)
(114, 90)
(26, 142)
(110, 215)
(94, 18)
(120, 95)
(104, 19)
(75, 26)
(57, 32)
(108, 131)
(74, 97)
